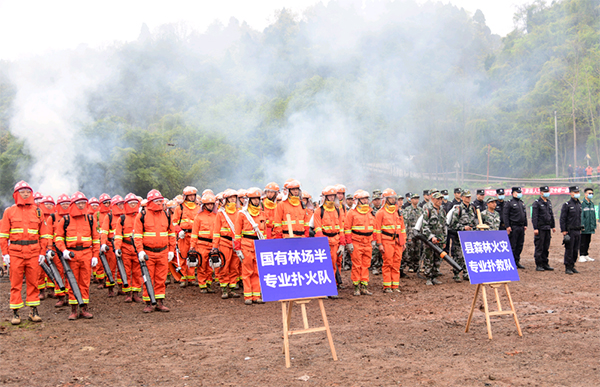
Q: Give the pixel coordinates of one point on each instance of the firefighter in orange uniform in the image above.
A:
(77, 232)
(22, 225)
(99, 215)
(269, 206)
(94, 205)
(328, 222)
(202, 239)
(107, 241)
(291, 205)
(250, 226)
(124, 248)
(359, 227)
(391, 238)
(46, 205)
(63, 202)
(223, 234)
(155, 243)
(237, 267)
(183, 220)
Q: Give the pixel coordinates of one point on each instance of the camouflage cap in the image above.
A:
(377, 194)
(491, 199)
(433, 190)
(348, 197)
(466, 193)
(437, 195)
(415, 196)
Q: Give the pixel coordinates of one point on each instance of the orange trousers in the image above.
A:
(392, 257)
(157, 268)
(43, 280)
(226, 273)
(250, 275)
(81, 265)
(187, 273)
(361, 261)
(27, 266)
(112, 263)
(336, 261)
(133, 270)
(204, 270)
(59, 267)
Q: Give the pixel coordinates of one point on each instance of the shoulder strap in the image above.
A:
(143, 215)
(66, 221)
(168, 214)
(180, 215)
(53, 216)
(122, 220)
(110, 216)
(323, 211)
(90, 219)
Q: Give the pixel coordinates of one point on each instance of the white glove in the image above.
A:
(118, 253)
(191, 264)
(170, 255)
(94, 261)
(104, 248)
(181, 234)
(50, 254)
(350, 247)
(67, 255)
(141, 256)
(240, 254)
(373, 244)
(6, 259)
(341, 250)
(41, 259)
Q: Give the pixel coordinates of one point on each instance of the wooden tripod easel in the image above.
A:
(286, 311)
(495, 286)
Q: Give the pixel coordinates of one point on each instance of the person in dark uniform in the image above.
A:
(452, 237)
(515, 219)
(446, 204)
(479, 203)
(570, 226)
(457, 196)
(426, 198)
(408, 195)
(542, 220)
(500, 207)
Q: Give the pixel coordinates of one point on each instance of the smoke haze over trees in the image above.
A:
(317, 96)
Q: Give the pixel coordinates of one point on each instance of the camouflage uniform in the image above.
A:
(434, 225)
(491, 218)
(410, 256)
(462, 216)
(422, 248)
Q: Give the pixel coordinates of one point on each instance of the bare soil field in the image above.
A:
(415, 338)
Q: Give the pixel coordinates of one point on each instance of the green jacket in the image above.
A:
(588, 217)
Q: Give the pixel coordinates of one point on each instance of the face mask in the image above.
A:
(576, 196)
(590, 196)
(501, 197)
(546, 194)
(446, 197)
(519, 195)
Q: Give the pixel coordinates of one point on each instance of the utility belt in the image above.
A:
(112, 240)
(79, 248)
(329, 234)
(250, 237)
(188, 230)
(362, 233)
(517, 225)
(389, 234)
(24, 243)
(128, 241)
(155, 250)
(209, 240)
(225, 237)
(295, 233)
(575, 228)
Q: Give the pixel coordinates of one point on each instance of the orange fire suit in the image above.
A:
(359, 229)
(48, 244)
(84, 242)
(183, 219)
(269, 210)
(43, 280)
(107, 237)
(328, 222)
(123, 241)
(201, 241)
(245, 235)
(299, 219)
(223, 240)
(155, 236)
(100, 216)
(22, 225)
(391, 233)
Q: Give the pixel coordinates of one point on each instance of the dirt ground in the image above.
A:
(410, 339)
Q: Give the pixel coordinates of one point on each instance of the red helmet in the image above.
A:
(208, 198)
(104, 197)
(22, 185)
(361, 194)
(48, 199)
(272, 187)
(117, 199)
(388, 193)
(38, 196)
(340, 188)
(78, 196)
(329, 190)
(94, 201)
(291, 183)
(130, 198)
(63, 198)
(253, 192)
(190, 191)
(154, 195)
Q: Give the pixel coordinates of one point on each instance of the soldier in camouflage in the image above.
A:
(434, 229)
(490, 217)
(464, 218)
(422, 247)
(376, 257)
(410, 256)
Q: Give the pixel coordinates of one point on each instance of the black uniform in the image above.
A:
(570, 221)
(500, 210)
(447, 206)
(542, 219)
(479, 204)
(515, 217)
(422, 203)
